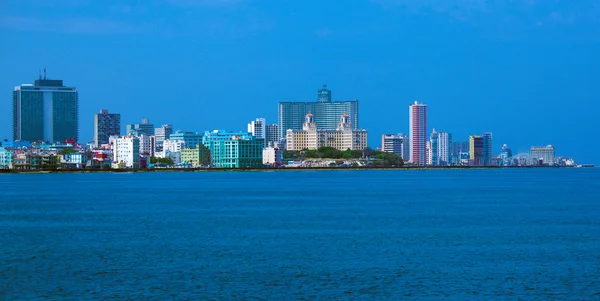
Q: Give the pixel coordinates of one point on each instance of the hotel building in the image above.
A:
(342, 138)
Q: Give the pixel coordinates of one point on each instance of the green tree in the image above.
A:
(68, 150)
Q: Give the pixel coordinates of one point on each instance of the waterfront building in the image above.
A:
(196, 156)
(174, 146)
(542, 154)
(505, 155)
(433, 158)
(428, 160)
(272, 156)
(138, 129)
(344, 137)
(162, 133)
(258, 128)
(418, 132)
(191, 139)
(6, 158)
(325, 112)
(444, 148)
(73, 160)
(45, 111)
(147, 144)
(476, 150)
(272, 135)
(233, 149)
(397, 144)
(106, 125)
(486, 152)
(126, 151)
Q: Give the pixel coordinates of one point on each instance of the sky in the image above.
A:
(528, 71)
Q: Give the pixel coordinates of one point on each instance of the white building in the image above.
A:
(163, 133)
(147, 144)
(343, 138)
(126, 151)
(444, 148)
(272, 156)
(258, 128)
(545, 154)
(172, 149)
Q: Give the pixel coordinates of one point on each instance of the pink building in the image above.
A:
(418, 132)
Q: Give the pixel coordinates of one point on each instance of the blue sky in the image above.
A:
(528, 71)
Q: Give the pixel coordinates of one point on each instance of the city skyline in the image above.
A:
(511, 70)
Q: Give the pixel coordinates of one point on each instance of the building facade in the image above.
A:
(476, 150)
(195, 157)
(418, 132)
(326, 112)
(233, 149)
(258, 128)
(45, 111)
(163, 133)
(147, 145)
(486, 152)
(6, 158)
(434, 144)
(190, 139)
(145, 128)
(106, 125)
(272, 135)
(444, 148)
(344, 137)
(126, 151)
(272, 156)
(397, 144)
(542, 154)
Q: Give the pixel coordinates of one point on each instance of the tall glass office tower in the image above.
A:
(45, 111)
(325, 111)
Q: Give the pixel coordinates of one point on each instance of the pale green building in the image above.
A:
(197, 156)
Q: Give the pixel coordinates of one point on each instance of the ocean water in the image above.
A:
(530, 234)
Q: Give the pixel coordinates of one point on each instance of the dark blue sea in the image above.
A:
(529, 234)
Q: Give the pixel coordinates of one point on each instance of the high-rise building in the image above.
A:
(272, 135)
(433, 158)
(344, 137)
(486, 152)
(444, 148)
(258, 129)
(45, 111)
(163, 133)
(137, 129)
(397, 144)
(106, 125)
(325, 111)
(505, 155)
(418, 132)
(542, 154)
(476, 150)
(147, 144)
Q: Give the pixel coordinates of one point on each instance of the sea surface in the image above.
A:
(528, 234)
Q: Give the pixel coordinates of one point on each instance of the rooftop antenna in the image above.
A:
(44, 72)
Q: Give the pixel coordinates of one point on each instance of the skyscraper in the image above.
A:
(272, 134)
(542, 154)
(325, 111)
(444, 148)
(486, 152)
(476, 150)
(418, 132)
(106, 125)
(137, 129)
(434, 144)
(45, 111)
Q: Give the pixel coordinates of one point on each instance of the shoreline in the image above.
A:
(405, 168)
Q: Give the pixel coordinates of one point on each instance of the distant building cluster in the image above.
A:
(46, 136)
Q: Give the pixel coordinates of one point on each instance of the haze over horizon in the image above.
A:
(527, 71)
